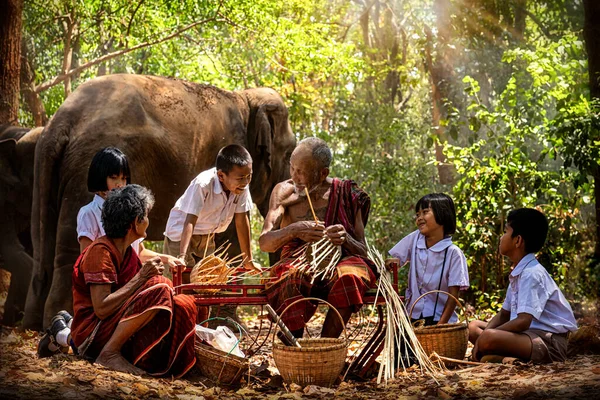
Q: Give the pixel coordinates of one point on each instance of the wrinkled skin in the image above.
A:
(17, 148)
(170, 130)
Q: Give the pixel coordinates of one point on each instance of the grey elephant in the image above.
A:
(17, 149)
(170, 130)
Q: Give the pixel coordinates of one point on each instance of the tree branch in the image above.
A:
(48, 84)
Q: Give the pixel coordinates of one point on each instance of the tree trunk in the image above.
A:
(10, 59)
(30, 97)
(440, 75)
(591, 33)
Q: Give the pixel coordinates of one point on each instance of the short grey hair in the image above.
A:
(123, 207)
(320, 151)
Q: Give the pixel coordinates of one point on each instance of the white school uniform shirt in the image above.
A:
(426, 270)
(533, 291)
(206, 199)
(89, 222)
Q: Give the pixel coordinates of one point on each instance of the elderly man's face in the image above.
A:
(305, 171)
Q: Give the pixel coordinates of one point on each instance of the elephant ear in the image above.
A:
(261, 136)
(7, 154)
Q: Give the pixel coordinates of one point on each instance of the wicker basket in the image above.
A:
(210, 270)
(319, 362)
(221, 368)
(447, 340)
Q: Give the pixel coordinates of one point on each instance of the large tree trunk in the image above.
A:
(591, 33)
(10, 59)
(30, 97)
(440, 72)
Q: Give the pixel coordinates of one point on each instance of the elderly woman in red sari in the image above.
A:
(127, 317)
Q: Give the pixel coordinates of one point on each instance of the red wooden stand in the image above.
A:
(240, 294)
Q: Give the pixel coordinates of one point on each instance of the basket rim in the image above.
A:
(428, 330)
(335, 344)
(212, 352)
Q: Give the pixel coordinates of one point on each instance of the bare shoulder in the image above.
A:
(282, 192)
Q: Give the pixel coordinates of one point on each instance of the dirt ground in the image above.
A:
(24, 376)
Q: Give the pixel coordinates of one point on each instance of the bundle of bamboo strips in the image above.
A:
(398, 329)
(215, 268)
(318, 259)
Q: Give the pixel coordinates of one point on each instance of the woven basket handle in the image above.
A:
(240, 330)
(306, 299)
(439, 291)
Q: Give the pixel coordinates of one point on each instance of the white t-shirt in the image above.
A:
(206, 199)
(426, 270)
(533, 291)
(89, 222)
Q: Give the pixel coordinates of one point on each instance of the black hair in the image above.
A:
(443, 210)
(232, 155)
(531, 225)
(320, 151)
(107, 162)
(123, 207)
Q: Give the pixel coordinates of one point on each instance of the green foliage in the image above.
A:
(520, 128)
(505, 167)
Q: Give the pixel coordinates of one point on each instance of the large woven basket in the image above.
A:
(319, 362)
(210, 270)
(447, 340)
(223, 369)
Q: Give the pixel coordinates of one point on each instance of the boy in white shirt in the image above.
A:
(212, 200)
(535, 319)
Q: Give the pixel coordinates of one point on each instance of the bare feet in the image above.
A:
(114, 360)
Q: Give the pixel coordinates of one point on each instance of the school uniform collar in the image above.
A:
(524, 263)
(217, 187)
(438, 247)
(98, 201)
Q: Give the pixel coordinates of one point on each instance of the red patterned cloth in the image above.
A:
(354, 274)
(164, 346)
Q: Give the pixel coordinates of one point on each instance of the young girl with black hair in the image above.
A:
(108, 170)
(435, 262)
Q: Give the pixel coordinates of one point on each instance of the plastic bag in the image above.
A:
(221, 338)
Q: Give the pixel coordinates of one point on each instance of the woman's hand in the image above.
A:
(252, 266)
(173, 262)
(337, 234)
(152, 267)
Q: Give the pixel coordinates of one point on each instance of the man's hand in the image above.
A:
(152, 267)
(309, 231)
(337, 234)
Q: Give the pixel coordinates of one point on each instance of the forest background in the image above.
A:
(487, 100)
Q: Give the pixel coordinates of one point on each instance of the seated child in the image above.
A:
(535, 319)
(435, 263)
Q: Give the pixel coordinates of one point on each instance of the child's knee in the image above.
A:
(487, 340)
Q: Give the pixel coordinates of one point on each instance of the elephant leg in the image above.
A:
(20, 265)
(60, 295)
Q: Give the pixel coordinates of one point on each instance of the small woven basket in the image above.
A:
(447, 340)
(319, 362)
(210, 270)
(223, 369)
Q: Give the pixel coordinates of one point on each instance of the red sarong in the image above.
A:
(164, 346)
(354, 274)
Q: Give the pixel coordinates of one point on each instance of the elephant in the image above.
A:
(17, 149)
(170, 130)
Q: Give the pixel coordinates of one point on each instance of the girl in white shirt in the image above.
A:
(435, 263)
(108, 170)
